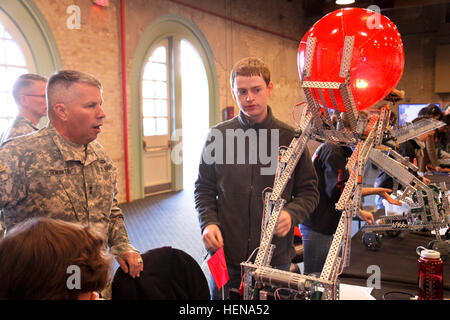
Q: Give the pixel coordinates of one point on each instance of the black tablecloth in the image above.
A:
(397, 260)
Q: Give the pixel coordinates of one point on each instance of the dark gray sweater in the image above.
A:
(230, 194)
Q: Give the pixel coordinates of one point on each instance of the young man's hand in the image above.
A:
(284, 224)
(212, 237)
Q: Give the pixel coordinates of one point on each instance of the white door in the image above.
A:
(156, 120)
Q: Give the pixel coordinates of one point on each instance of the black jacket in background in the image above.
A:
(230, 195)
(169, 274)
(329, 161)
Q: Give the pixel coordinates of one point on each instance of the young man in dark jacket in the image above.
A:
(235, 170)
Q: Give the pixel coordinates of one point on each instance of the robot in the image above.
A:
(427, 206)
(369, 135)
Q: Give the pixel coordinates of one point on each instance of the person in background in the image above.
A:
(49, 259)
(442, 141)
(413, 149)
(29, 94)
(447, 109)
(317, 229)
(429, 161)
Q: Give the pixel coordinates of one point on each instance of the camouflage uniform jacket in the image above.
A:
(43, 174)
(18, 127)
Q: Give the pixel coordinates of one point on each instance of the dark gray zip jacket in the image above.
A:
(230, 194)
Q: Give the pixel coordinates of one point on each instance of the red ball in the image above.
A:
(377, 60)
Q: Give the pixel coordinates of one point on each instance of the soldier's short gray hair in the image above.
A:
(23, 82)
(65, 79)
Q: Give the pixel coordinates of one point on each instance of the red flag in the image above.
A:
(218, 268)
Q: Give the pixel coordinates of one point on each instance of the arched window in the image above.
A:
(155, 95)
(15, 59)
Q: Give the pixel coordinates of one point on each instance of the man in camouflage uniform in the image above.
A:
(29, 94)
(63, 172)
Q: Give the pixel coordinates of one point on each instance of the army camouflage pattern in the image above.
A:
(46, 175)
(18, 127)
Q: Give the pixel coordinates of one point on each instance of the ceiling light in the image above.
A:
(101, 3)
(344, 2)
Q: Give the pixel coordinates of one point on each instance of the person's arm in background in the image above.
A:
(305, 196)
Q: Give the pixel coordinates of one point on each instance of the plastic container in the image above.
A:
(430, 274)
(392, 209)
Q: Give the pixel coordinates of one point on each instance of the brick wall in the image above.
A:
(95, 48)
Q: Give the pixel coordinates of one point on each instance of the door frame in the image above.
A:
(164, 27)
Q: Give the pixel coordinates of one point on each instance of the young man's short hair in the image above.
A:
(248, 67)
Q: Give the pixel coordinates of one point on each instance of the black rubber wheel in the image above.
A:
(371, 241)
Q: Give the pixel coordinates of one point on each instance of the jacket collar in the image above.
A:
(247, 123)
(28, 122)
(71, 151)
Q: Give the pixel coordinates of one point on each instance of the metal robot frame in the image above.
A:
(367, 137)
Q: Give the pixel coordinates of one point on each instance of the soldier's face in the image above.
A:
(35, 99)
(84, 113)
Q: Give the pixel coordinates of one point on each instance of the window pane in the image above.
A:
(148, 108)
(160, 71)
(148, 89)
(159, 55)
(8, 76)
(10, 109)
(161, 108)
(155, 71)
(3, 125)
(149, 126)
(161, 90)
(161, 126)
(6, 35)
(155, 84)
(13, 64)
(147, 71)
(2, 52)
(14, 55)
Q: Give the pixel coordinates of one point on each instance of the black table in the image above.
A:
(438, 177)
(397, 260)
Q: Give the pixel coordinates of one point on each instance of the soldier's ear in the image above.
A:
(60, 111)
(23, 99)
